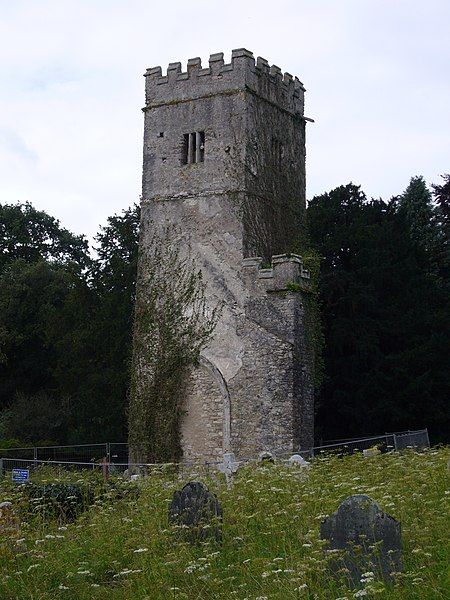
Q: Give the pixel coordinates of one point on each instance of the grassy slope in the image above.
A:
(271, 547)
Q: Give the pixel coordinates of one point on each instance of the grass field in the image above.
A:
(123, 548)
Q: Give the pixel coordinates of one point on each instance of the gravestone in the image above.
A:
(266, 457)
(197, 513)
(229, 466)
(298, 460)
(369, 538)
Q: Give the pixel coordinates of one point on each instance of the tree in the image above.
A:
(33, 297)
(94, 358)
(384, 313)
(33, 235)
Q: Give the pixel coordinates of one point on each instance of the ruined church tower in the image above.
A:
(224, 163)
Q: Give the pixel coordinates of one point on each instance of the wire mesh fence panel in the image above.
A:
(17, 453)
(382, 443)
(412, 439)
(8, 464)
(83, 453)
(118, 453)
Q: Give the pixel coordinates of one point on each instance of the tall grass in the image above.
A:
(124, 548)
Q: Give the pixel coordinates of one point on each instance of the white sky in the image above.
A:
(377, 74)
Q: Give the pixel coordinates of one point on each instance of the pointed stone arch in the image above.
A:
(206, 422)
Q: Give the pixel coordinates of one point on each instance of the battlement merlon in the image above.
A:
(285, 273)
(242, 74)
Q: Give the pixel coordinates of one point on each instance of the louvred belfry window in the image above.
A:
(193, 148)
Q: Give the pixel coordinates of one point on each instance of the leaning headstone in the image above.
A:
(299, 461)
(266, 457)
(197, 513)
(368, 452)
(370, 540)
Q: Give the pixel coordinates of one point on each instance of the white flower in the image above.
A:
(32, 567)
(63, 587)
(360, 594)
(139, 550)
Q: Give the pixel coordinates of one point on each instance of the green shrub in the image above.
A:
(64, 501)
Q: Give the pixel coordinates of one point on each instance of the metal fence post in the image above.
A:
(108, 451)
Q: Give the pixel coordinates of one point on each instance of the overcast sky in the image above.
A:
(377, 74)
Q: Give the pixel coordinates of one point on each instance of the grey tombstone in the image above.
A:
(265, 457)
(298, 461)
(369, 538)
(197, 513)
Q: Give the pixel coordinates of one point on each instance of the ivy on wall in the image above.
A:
(172, 325)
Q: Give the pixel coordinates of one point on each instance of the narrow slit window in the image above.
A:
(193, 150)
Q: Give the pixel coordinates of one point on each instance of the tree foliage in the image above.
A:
(65, 323)
(385, 313)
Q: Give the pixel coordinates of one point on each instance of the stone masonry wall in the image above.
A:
(253, 389)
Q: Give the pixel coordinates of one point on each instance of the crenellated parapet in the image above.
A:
(285, 273)
(243, 73)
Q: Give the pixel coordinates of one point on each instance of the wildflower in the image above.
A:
(360, 594)
(31, 567)
(63, 587)
(139, 550)
(264, 575)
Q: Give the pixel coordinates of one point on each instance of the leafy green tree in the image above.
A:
(94, 357)
(384, 313)
(66, 319)
(33, 235)
(32, 298)
(36, 419)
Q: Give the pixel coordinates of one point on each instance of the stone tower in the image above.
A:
(224, 163)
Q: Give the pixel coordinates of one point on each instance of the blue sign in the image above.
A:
(20, 475)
